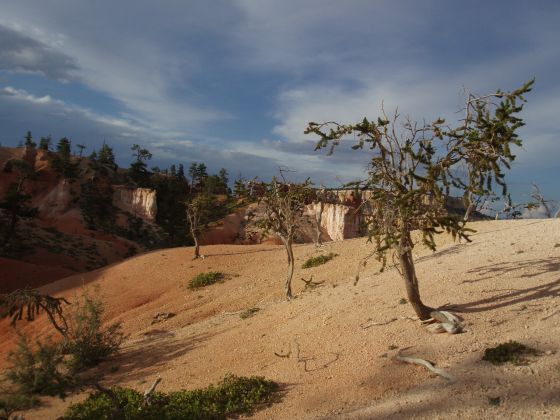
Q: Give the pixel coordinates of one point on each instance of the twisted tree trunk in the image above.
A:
(408, 273)
(288, 284)
(318, 219)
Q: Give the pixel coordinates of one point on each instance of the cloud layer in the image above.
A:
(235, 83)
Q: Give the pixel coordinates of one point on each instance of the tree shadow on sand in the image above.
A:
(510, 297)
(149, 356)
(537, 266)
(433, 400)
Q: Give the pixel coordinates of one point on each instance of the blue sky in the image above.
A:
(233, 83)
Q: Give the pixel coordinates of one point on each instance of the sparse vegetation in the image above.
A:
(11, 403)
(37, 371)
(205, 279)
(249, 313)
(510, 352)
(88, 343)
(231, 397)
(283, 203)
(318, 260)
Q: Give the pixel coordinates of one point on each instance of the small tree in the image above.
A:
(414, 167)
(540, 202)
(29, 140)
(283, 205)
(16, 203)
(45, 143)
(106, 156)
(139, 168)
(198, 210)
(63, 159)
(80, 148)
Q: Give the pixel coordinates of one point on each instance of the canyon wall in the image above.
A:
(141, 202)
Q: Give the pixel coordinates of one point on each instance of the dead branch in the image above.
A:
(310, 284)
(428, 365)
(369, 324)
(148, 393)
(33, 302)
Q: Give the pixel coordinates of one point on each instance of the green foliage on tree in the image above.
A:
(62, 162)
(139, 169)
(414, 167)
(88, 341)
(29, 140)
(45, 143)
(198, 174)
(16, 203)
(37, 371)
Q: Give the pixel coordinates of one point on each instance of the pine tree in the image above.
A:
(45, 143)
(106, 156)
(63, 159)
(29, 140)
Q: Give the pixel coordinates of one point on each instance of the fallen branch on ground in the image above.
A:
(428, 365)
(365, 325)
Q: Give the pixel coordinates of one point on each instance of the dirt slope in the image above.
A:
(505, 283)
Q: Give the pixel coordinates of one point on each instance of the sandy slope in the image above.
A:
(506, 284)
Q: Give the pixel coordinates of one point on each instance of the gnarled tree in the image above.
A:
(415, 166)
(283, 204)
(198, 210)
(32, 302)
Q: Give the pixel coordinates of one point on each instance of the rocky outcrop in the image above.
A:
(339, 221)
(140, 202)
(56, 201)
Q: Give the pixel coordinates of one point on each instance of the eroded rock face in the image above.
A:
(55, 201)
(141, 202)
(339, 221)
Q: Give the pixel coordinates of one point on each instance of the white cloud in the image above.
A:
(25, 96)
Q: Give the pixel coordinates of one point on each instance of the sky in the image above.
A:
(233, 83)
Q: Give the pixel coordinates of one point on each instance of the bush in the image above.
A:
(10, 403)
(511, 351)
(205, 279)
(319, 260)
(88, 342)
(37, 371)
(233, 396)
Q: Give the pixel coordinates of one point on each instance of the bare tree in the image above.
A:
(414, 167)
(198, 213)
(540, 202)
(283, 204)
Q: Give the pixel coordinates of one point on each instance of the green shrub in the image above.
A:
(248, 313)
(511, 351)
(205, 279)
(37, 371)
(231, 397)
(318, 260)
(88, 342)
(11, 403)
